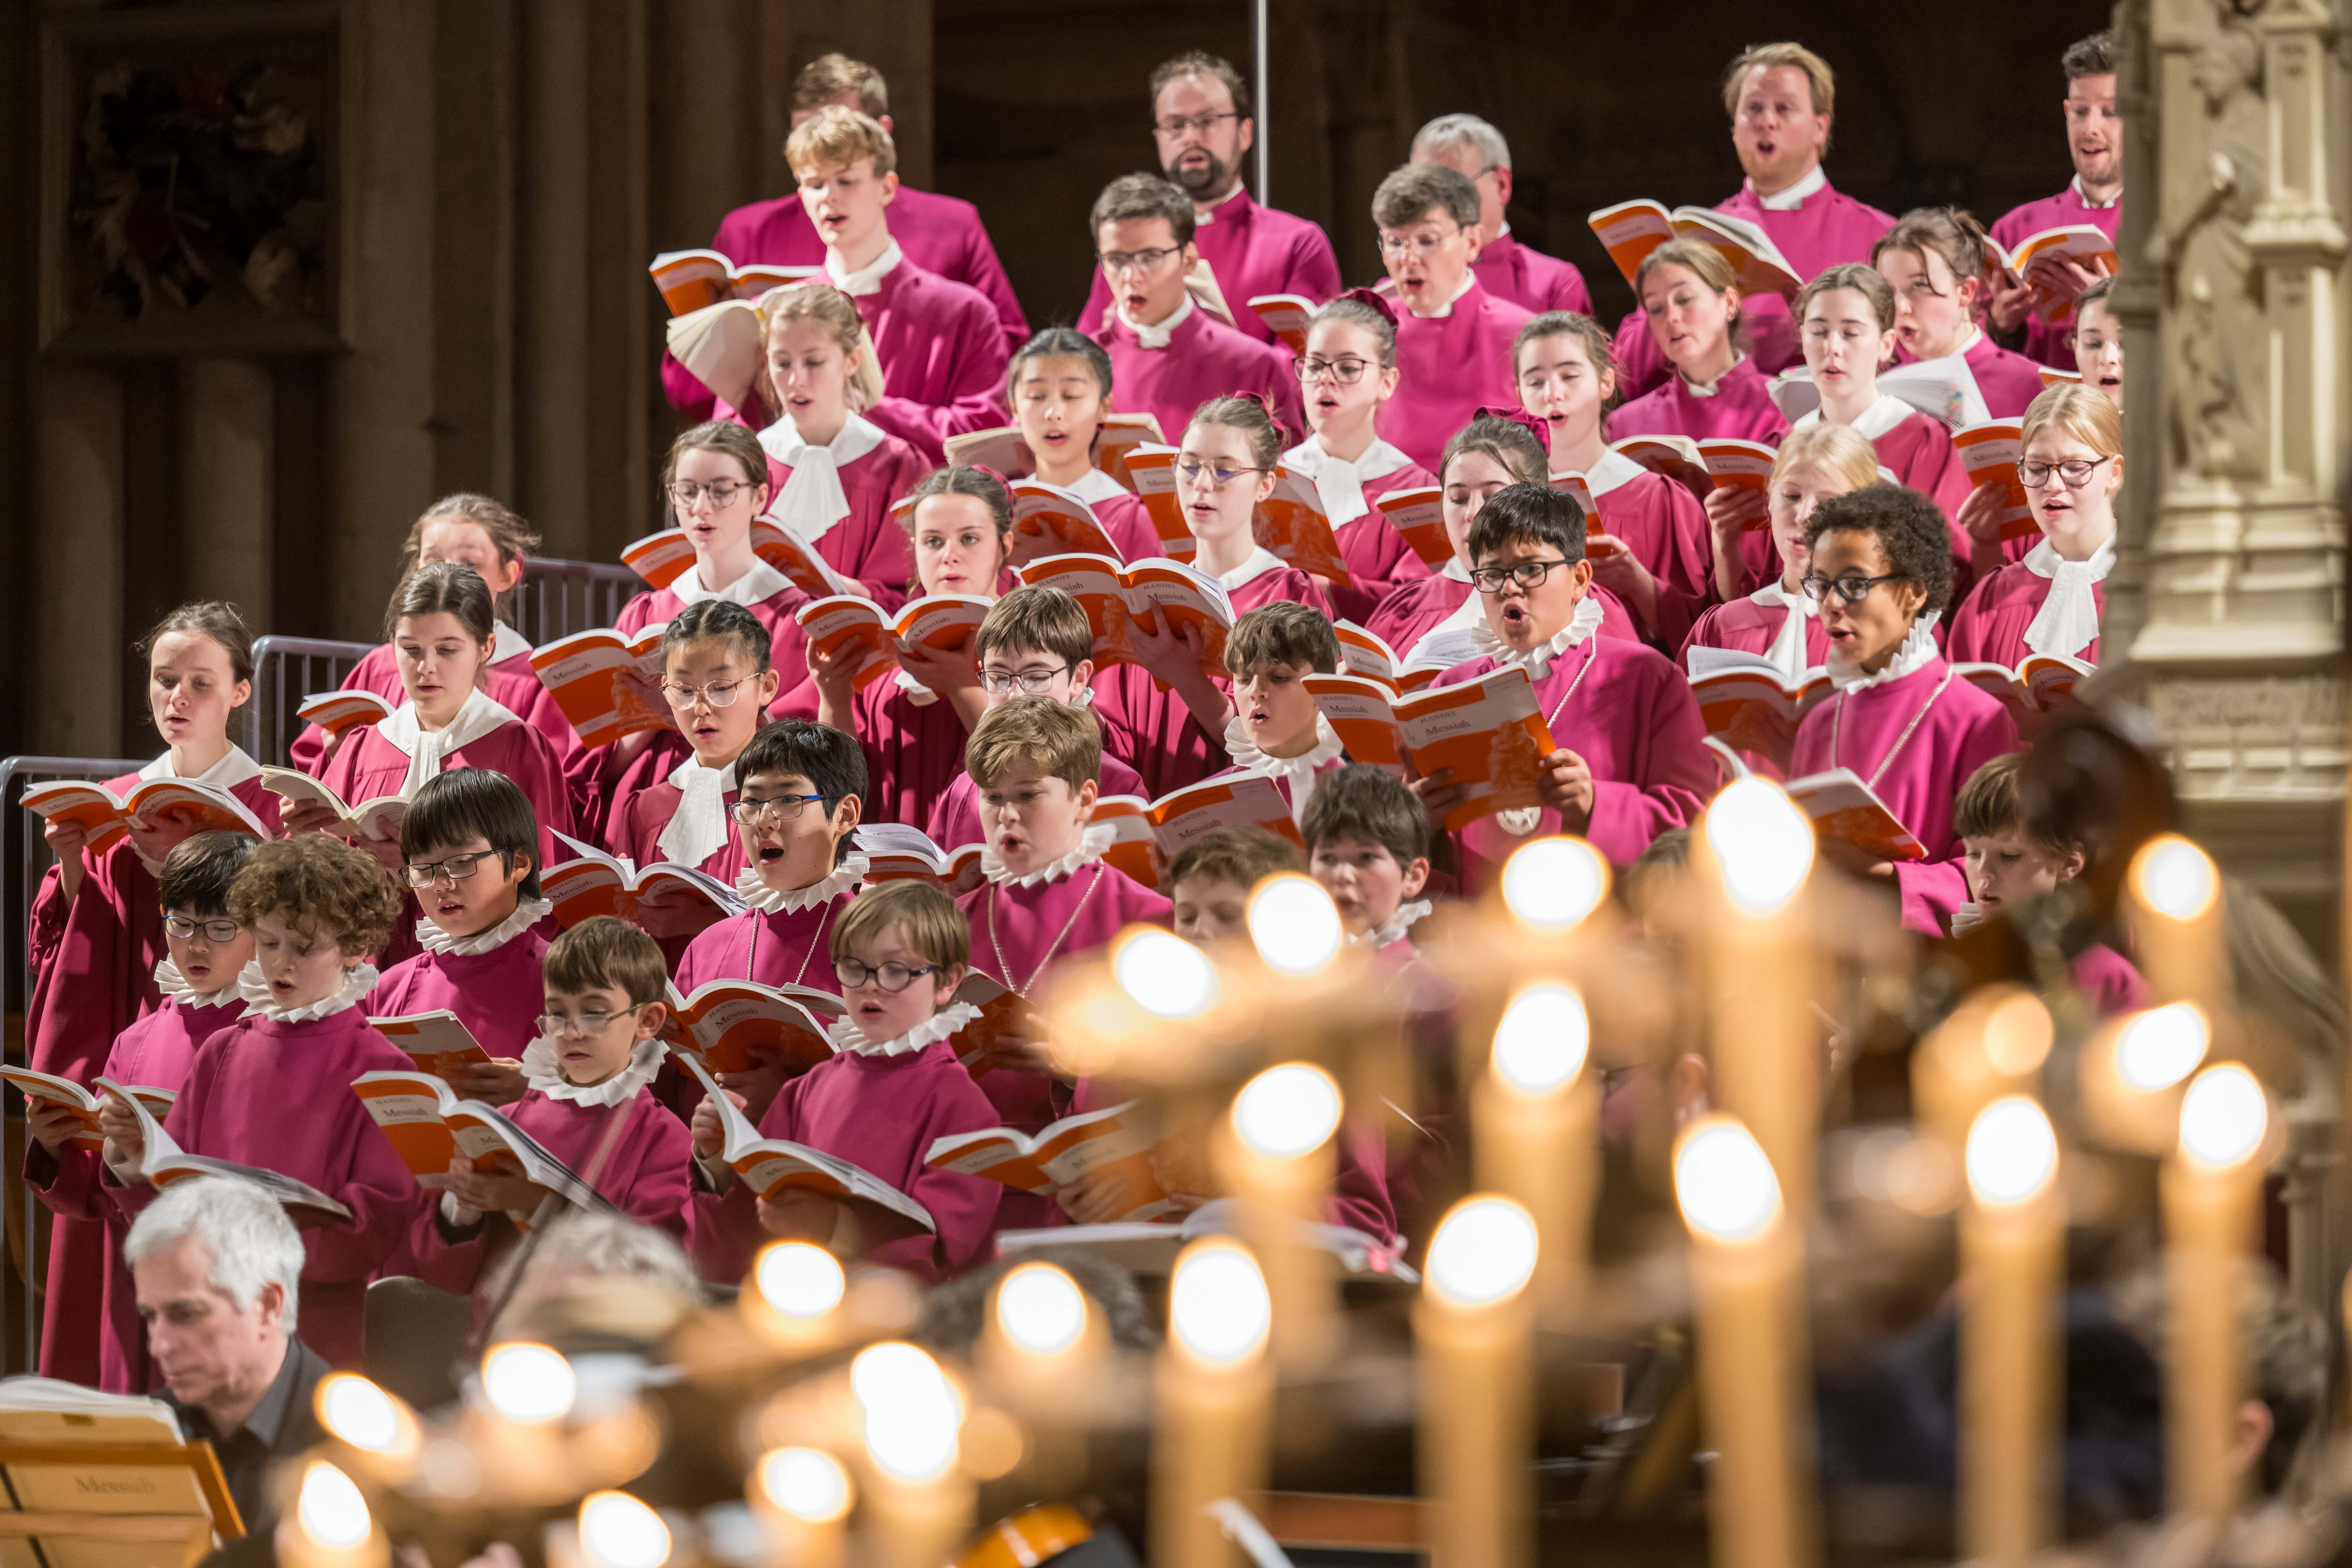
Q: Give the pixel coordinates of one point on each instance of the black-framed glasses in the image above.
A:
(892, 977)
(1175, 125)
(2075, 471)
(1193, 470)
(1346, 372)
(1036, 682)
(186, 929)
(1527, 574)
(587, 1025)
(783, 807)
(1853, 587)
(719, 693)
(1136, 260)
(456, 869)
(722, 493)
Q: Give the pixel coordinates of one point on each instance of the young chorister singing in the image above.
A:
(892, 1087)
(1693, 305)
(1059, 384)
(1277, 731)
(1779, 620)
(317, 909)
(2072, 464)
(91, 1332)
(1935, 260)
(1882, 570)
(1368, 846)
(1846, 323)
(2009, 866)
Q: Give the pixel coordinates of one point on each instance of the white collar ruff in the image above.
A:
(2068, 620)
(544, 1072)
(812, 501)
(1917, 652)
(1093, 839)
(234, 768)
(1536, 660)
(175, 988)
(867, 279)
(250, 986)
(1407, 916)
(1788, 201)
(1158, 334)
(1299, 771)
(528, 913)
(1339, 482)
(1787, 649)
(758, 896)
(761, 582)
(1261, 561)
(698, 829)
(940, 1025)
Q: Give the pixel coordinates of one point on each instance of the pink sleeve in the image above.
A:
(69, 1181)
(84, 994)
(1359, 1191)
(1313, 269)
(981, 271)
(1674, 776)
(974, 390)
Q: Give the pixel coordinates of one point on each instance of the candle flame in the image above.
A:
(1218, 1309)
(2174, 878)
(1165, 975)
(806, 1483)
(1288, 1110)
(2160, 1047)
(799, 1280)
(1041, 1308)
(616, 1531)
(1542, 1043)
(329, 1509)
(912, 1412)
(365, 1416)
(1484, 1251)
(2225, 1117)
(530, 1382)
(1554, 883)
(2012, 1153)
(1294, 923)
(1762, 842)
(2019, 1034)
(1724, 1181)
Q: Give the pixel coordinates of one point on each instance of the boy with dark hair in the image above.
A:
(1209, 882)
(1367, 844)
(1276, 731)
(2009, 866)
(2095, 140)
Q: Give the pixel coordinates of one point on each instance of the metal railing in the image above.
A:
(285, 671)
(558, 598)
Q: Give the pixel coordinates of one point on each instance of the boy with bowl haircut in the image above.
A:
(1276, 731)
(1368, 846)
(2007, 867)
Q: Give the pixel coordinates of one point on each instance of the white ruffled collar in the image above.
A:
(543, 1072)
(175, 988)
(1094, 839)
(847, 1035)
(1406, 917)
(1299, 771)
(428, 749)
(2068, 620)
(251, 987)
(234, 768)
(1536, 660)
(1917, 652)
(2043, 561)
(758, 896)
(528, 913)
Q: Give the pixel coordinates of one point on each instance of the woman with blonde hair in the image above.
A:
(2071, 462)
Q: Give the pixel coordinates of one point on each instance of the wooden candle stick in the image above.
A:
(1473, 1329)
(2013, 1263)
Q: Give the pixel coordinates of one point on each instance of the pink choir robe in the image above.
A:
(1666, 529)
(1738, 408)
(1418, 607)
(1990, 626)
(368, 765)
(2107, 977)
(1377, 557)
(1630, 714)
(940, 234)
(1529, 278)
(91, 1332)
(955, 816)
(1750, 624)
(1204, 358)
(914, 750)
(882, 1114)
(498, 994)
(638, 819)
(602, 784)
(1325, 756)
(512, 682)
(2010, 382)
(1450, 367)
(942, 353)
(1253, 250)
(781, 947)
(1121, 514)
(868, 544)
(2055, 346)
(1961, 728)
(278, 1095)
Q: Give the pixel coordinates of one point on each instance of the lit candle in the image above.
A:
(795, 1295)
(2212, 1204)
(1534, 1110)
(332, 1526)
(1294, 925)
(1550, 887)
(1041, 1344)
(1213, 1390)
(1993, 1043)
(1754, 1369)
(801, 1495)
(527, 1390)
(1472, 1328)
(1276, 1153)
(2133, 1071)
(1767, 1059)
(919, 1501)
(616, 1531)
(2174, 907)
(381, 1431)
(2013, 1260)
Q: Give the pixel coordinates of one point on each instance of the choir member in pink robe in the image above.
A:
(1506, 268)
(1167, 354)
(1368, 846)
(1350, 370)
(2051, 601)
(941, 345)
(1060, 387)
(1934, 259)
(1653, 552)
(91, 1332)
(1277, 733)
(893, 1087)
(2093, 198)
(1694, 307)
(1899, 718)
(1202, 121)
(2097, 342)
(1630, 759)
(1454, 338)
(316, 908)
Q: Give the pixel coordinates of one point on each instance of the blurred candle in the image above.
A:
(794, 1296)
(2012, 1262)
(617, 1531)
(1993, 1045)
(330, 1525)
(1278, 1153)
(1213, 1390)
(1755, 1376)
(1042, 1342)
(381, 1429)
(1535, 1109)
(2175, 908)
(1294, 925)
(2212, 1204)
(801, 1495)
(919, 1501)
(1472, 1328)
(1550, 887)
(2133, 1071)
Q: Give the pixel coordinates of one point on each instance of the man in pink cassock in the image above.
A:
(1505, 268)
(1454, 338)
(940, 234)
(1201, 121)
(1781, 98)
(2095, 140)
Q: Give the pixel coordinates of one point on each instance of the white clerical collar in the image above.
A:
(1916, 653)
(2083, 196)
(1787, 649)
(528, 913)
(542, 1069)
(867, 279)
(1339, 482)
(1792, 198)
(2068, 620)
(1093, 840)
(1536, 660)
(761, 583)
(509, 644)
(812, 501)
(1469, 281)
(175, 987)
(1203, 217)
(1094, 486)
(758, 896)
(1613, 471)
(1406, 917)
(427, 749)
(1711, 388)
(698, 829)
(1260, 562)
(1879, 419)
(941, 1025)
(255, 989)
(234, 768)
(1299, 772)
(1158, 334)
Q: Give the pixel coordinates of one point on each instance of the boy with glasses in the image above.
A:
(1507, 269)
(1167, 355)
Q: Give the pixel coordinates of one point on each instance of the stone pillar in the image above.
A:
(75, 710)
(228, 428)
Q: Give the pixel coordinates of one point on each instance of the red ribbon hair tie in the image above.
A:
(1366, 297)
(1521, 417)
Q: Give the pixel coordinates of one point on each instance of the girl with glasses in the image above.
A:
(1881, 571)
(1934, 258)
(1691, 301)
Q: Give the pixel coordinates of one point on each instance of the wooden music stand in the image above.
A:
(192, 1534)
